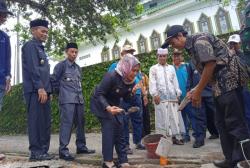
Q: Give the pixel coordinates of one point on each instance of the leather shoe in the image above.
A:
(222, 164)
(48, 156)
(140, 146)
(198, 144)
(66, 156)
(214, 136)
(40, 157)
(85, 151)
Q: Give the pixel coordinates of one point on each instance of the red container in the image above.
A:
(151, 142)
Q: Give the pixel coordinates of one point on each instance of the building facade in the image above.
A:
(148, 29)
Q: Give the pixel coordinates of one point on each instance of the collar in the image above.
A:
(70, 63)
(188, 44)
(181, 65)
(37, 41)
(162, 65)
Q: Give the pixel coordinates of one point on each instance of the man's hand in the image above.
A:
(145, 100)
(196, 98)
(7, 86)
(137, 86)
(189, 95)
(114, 110)
(157, 100)
(42, 96)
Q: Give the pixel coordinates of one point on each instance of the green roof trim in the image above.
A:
(159, 6)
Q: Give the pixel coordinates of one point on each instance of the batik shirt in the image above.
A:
(203, 48)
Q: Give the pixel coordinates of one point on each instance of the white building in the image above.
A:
(147, 30)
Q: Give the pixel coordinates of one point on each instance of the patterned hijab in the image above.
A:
(126, 64)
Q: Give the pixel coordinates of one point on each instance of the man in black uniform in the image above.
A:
(68, 74)
(213, 60)
(36, 87)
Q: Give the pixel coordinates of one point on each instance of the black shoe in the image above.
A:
(198, 144)
(48, 156)
(40, 157)
(66, 156)
(140, 146)
(85, 151)
(214, 136)
(222, 164)
(177, 142)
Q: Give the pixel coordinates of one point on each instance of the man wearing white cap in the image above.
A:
(164, 88)
(127, 49)
(234, 43)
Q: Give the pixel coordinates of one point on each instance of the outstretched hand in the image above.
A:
(114, 110)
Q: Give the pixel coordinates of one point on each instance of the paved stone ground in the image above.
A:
(16, 150)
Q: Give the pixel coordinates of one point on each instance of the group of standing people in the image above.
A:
(37, 90)
(38, 85)
(217, 66)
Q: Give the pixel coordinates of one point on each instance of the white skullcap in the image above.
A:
(234, 38)
(162, 51)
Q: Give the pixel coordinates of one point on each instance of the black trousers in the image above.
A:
(145, 119)
(231, 124)
(71, 114)
(39, 124)
(113, 136)
(209, 106)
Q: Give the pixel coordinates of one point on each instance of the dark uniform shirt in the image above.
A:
(36, 68)
(204, 47)
(5, 56)
(109, 92)
(68, 74)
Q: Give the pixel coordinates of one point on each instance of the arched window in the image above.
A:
(241, 17)
(222, 21)
(155, 39)
(116, 51)
(105, 54)
(188, 26)
(127, 43)
(165, 32)
(204, 24)
(142, 44)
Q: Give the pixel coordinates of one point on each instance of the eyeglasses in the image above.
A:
(161, 55)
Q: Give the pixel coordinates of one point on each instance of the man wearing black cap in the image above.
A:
(71, 103)
(213, 60)
(5, 57)
(37, 88)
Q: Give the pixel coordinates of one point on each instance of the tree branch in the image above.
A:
(31, 3)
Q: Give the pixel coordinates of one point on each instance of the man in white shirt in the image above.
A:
(164, 88)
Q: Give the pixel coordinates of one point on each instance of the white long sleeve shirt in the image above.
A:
(163, 82)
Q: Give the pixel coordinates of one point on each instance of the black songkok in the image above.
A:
(39, 22)
(71, 45)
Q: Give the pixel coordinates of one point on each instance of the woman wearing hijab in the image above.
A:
(104, 104)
